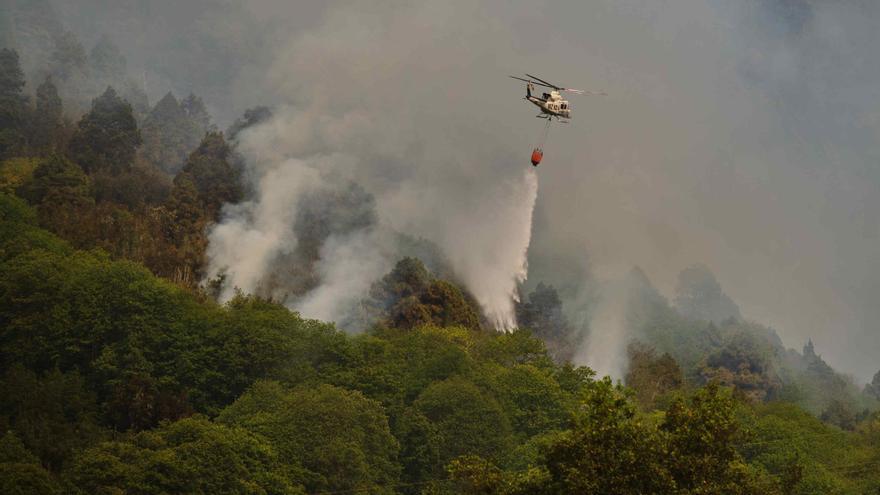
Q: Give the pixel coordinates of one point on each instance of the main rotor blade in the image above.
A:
(588, 93)
(545, 82)
(532, 82)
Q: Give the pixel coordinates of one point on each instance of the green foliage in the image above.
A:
(787, 440)
(15, 172)
(134, 189)
(409, 297)
(701, 447)
(58, 181)
(532, 399)
(53, 414)
(132, 335)
(13, 104)
(332, 439)
(13, 450)
(746, 361)
(19, 233)
(171, 132)
(20, 471)
(107, 136)
(468, 420)
(542, 314)
(651, 376)
(47, 126)
(613, 449)
(610, 450)
(873, 389)
(26, 479)
(104, 369)
(215, 179)
(189, 456)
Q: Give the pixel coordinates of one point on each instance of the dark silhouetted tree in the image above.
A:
(68, 61)
(210, 171)
(651, 375)
(13, 104)
(197, 113)
(107, 61)
(542, 314)
(840, 414)
(107, 137)
(21, 472)
(873, 388)
(409, 296)
(169, 135)
(698, 295)
(48, 126)
(62, 194)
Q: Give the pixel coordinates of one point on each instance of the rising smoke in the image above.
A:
(742, 135)
(430, 178)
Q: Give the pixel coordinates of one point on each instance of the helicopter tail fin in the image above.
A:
(528, 90)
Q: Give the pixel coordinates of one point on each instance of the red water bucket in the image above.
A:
(537, 154)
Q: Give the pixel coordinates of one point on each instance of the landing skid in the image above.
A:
(550, 117)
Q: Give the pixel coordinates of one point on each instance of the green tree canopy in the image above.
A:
(650, 375)
(467, 419)
(212, 174)
(107, 136)
(190, 456)
(333, 439)
(409, 297)
(171, 131)
(13, 104)
(48, 125)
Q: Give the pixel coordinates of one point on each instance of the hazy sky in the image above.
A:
(739, 134)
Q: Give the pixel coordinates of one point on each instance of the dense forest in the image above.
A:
(121, 372)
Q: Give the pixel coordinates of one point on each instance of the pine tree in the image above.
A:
(13, 104)
(106, 61)
(166, 136)
(47, 122)
(107, 137)
(208, 167)
(68, 59)
(197, 113)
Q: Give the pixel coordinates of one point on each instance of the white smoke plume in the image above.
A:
(493, 267)
(604, 349)
(355, 115)
(253, 233)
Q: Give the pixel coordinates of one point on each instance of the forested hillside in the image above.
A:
(121, 372)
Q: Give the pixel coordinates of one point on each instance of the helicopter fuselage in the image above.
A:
(551, 104)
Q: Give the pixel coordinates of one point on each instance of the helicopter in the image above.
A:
(551, 104)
